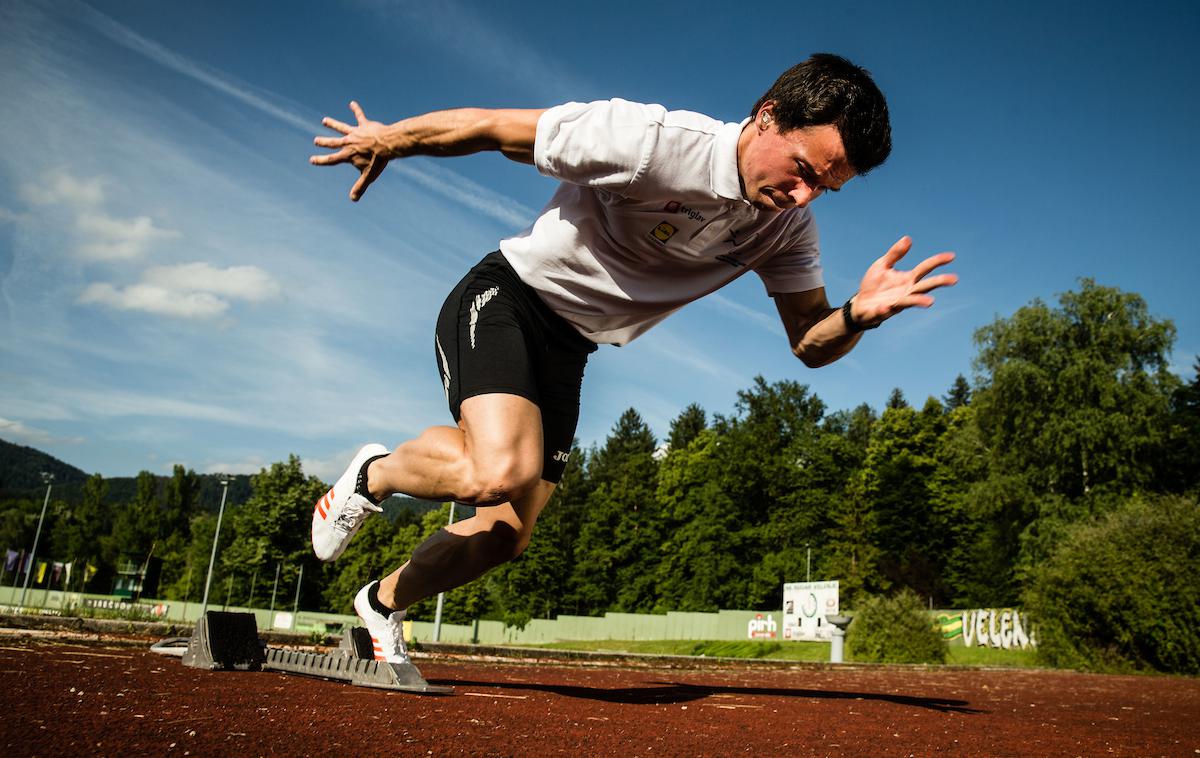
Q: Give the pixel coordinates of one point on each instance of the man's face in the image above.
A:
(782, 170)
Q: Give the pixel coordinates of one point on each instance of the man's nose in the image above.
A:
(803, 195)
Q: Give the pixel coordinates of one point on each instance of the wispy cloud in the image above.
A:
(463, 191)
(769, 323)
(268, 103)
(15, 430)
(106, 238)
(493, 49)
(100, 235)
(444, 182)
(188, 290)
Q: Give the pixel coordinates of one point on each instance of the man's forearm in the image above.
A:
(828, 339)
(461, 132)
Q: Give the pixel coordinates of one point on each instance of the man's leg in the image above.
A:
(493, 461)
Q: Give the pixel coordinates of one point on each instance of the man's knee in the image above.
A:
(501, 480)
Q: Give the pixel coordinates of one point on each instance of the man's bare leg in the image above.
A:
(494, 461)
(494, 455)
(466, 549)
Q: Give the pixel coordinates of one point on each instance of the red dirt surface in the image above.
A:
(107, 698)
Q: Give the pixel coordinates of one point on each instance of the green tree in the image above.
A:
(686, 426)
(1120, 591)
(1077, 396)
(620, 529)
(273, 526)
(536, 584)
(700, 570)
(959, 394)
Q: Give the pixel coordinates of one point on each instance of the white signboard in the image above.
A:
(805, 606)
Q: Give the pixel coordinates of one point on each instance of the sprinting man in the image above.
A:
(655, 209)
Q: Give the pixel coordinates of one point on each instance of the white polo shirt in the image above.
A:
(649, 217)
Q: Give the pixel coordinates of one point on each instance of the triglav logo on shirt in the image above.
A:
(677, 207)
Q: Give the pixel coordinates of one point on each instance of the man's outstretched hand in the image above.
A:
(886, 290)
(363, 145)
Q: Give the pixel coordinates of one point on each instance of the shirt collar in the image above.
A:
(726, 181)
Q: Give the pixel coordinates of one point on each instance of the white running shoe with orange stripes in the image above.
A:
(341, 511)
(387, 632)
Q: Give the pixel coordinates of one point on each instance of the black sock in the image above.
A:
(360, 485)
(376, 604)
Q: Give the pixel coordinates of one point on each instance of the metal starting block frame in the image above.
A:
(222, 641)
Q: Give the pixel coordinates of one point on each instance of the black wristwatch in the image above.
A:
(853, 325)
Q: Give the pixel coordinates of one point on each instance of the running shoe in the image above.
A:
(387, 632)
(341, 511)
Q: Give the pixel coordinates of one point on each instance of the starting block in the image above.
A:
(229, 641)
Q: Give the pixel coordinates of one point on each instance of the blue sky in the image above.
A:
(178, 285)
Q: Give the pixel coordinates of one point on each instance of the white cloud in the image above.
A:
(101, 236)
(237, 282)
(15, 430)
(251, 465)
(105, 238)
(157, 300)
(62, 188)
(188, 290)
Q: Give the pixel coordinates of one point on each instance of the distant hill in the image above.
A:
(21, 467)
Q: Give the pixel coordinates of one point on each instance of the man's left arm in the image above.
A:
(820, 334)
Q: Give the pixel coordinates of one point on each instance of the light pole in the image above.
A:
(49, 480)
(213, 556)
(437, 616)
(808, 549)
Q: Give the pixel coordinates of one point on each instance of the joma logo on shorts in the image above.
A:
(561, 456)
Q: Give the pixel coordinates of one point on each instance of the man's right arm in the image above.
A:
(369, 145)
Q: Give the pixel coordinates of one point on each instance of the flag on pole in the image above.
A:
(25, 561)
(56, 573)
(41, 571)
(67, 578)
(88, 572)
(10, 559)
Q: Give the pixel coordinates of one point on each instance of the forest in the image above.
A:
(1071, 416)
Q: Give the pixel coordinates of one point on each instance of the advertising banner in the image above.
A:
(805, 606)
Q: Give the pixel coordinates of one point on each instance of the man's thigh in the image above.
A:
(501, 429)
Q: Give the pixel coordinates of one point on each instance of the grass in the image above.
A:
(780, 651)
(791, 651)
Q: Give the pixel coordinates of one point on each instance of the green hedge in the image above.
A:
(894, 629)
(1122, 592)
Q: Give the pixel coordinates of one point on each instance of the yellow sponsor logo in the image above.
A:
(663, 232)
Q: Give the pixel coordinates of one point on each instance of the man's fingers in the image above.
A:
(897, 251)
(369, 175)
(933, 282)
(336, 125)
(327, 159)
(930, 263)
(329, 141)
(358, 112)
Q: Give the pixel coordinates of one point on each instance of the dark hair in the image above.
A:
(828, 89)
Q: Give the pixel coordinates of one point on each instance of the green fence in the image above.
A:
(998, 628)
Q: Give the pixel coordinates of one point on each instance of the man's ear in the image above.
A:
(766, 115)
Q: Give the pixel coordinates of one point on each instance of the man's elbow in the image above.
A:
(810, 359)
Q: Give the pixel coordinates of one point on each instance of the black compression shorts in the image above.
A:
(494, 334)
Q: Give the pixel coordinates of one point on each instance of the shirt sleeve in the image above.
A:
(604, 144)
(798, 267)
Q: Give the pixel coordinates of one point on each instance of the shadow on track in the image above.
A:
(668, 693)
